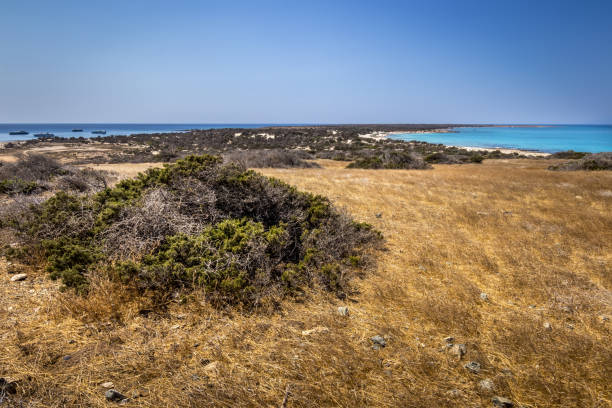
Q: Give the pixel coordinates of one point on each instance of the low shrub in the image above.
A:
(568, 154)
(270, 158)
(34, 173)
(596, 161)
(391, 160)
(241, 237)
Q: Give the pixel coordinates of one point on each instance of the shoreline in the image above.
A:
(531, 153)
(385, 135)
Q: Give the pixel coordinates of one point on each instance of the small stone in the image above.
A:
(486, 385)
(212, 369)
(71, 341)
(343, 311)
(473, 367)
(18, 277)
(124, 401)
(547, 326)
(501, 402)
(604, 318)
(454, 392)
(379, 215)
(459, 350)
(196, 345)
(66, 358)
(316, 330)
(449, 340)
(107, 384)
(484, 296)
(176, 326)
(379, 341)
(114, 395)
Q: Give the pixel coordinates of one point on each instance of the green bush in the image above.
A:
(200, 224)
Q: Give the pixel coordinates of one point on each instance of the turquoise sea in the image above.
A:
(544, 138)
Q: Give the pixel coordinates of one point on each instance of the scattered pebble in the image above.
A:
(484, 296)
(486, 385)
(343, 311)
(501, 402)
(379, 215)
(379, 341)
(547, 326)
(316, 330)
(66, 358)
(18, 277)
(449, 340)
(107, 384)
(454, 392)
(604, 318)
(176, 326)
(212, 369)
(114, 395)
(459, 350)
(473, 367)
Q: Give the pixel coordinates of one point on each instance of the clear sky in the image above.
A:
(332, 61)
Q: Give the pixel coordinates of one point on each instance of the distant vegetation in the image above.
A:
(567, 154)
(240, 236)
(391, 160)
(361, 143)
(596, 161)
(271, 158)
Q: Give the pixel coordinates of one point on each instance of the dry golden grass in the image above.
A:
(538, 243)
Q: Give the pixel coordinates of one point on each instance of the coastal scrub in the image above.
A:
(239, 236)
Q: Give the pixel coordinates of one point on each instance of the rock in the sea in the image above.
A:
(7, 387)
(501, 402)
(316, 330)
(18, 277)
(107, 384)
(114, 395)
(473, 367)
(343, 311)
(458, 350)
(379, 341)
(486, 385)
(484, 296)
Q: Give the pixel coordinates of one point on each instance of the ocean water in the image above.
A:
(548, 138)
(65, 129)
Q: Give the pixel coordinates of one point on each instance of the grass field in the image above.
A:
(506, 257)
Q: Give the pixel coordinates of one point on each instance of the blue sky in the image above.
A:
(465, 61)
